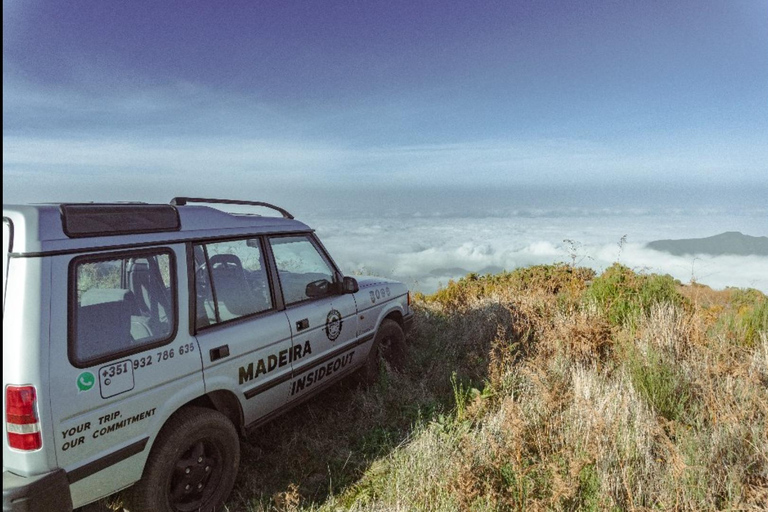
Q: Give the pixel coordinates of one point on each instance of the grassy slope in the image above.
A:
(543, 388)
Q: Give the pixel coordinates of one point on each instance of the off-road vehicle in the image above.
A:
(139, 341)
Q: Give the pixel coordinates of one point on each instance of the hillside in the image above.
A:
(731, 242)
(544, 388)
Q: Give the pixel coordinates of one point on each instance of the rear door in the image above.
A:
(245, 338)
(120, 363)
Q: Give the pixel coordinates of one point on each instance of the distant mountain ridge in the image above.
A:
(729, 243)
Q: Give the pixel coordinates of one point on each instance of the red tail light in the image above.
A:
(21, 421)
(409, 297)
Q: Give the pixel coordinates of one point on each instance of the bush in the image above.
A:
(747, 318)
(660, 382)
(624, 295)
(558, 280)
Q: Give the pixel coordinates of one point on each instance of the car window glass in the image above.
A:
(121, 304)
(239, 281)
(204, 304)
(298, 264)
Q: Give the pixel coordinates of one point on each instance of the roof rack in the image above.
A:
(181, 201)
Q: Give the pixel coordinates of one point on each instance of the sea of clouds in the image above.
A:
(426, 251)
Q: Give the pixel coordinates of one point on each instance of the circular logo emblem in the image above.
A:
(333, 325)
(85, 381)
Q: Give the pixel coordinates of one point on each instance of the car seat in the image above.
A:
(231, 287)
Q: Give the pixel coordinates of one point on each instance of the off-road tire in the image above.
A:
(175, 478)
(388, 344)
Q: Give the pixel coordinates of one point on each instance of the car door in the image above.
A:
(120, 364)
(245, 338)
(323, 323)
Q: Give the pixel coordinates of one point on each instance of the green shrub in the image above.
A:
(557, 280)
(660, 382)
(747, 318)
(588, 493)
(624, 295)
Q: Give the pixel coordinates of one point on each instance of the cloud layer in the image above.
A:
(428, 252)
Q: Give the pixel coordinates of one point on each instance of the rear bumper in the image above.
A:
(43, 493)
(408, 322)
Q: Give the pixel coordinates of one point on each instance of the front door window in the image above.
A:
(299, 263)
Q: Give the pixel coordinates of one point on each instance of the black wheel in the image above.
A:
(389, 344)
(192, 466)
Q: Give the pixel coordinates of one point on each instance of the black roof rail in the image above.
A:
(181, 201)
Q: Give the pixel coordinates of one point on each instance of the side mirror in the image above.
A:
(319, 288)
(350, 285)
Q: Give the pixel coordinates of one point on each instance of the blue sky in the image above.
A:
(118, 98)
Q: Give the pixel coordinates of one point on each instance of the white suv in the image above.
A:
(141, 339)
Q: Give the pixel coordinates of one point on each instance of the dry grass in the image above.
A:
(547, 388)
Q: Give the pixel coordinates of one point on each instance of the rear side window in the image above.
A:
(121, 305)
(230, 281)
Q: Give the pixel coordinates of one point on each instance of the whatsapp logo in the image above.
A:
(85, 381)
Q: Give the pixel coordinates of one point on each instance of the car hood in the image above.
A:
(371, 282)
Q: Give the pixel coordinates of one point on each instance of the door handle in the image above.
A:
(302, 324)
(219, 352)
